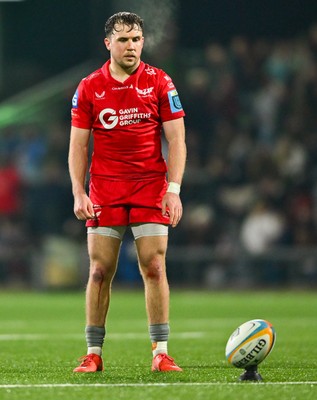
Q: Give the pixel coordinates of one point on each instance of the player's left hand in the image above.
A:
(172, 207)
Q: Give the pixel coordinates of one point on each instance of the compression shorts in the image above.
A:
(138, 230)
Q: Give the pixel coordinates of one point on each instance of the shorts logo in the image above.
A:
(75, 100)
(174, 101)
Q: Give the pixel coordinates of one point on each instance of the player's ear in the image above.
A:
(107, 43)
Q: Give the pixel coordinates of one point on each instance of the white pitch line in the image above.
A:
(71, 385)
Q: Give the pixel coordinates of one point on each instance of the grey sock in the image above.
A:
(159, 332)
(95, 336)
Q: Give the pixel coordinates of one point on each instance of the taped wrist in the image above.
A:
(174, 187)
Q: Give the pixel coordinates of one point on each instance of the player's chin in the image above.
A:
(130, 60)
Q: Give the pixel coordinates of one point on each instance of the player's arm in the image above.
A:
(78, 164)
(175, 135)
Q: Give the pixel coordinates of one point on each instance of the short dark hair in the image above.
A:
(126, 18)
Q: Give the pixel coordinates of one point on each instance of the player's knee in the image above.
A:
(154, 268)
(97, 275)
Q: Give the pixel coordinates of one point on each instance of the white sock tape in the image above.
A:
(174, 187)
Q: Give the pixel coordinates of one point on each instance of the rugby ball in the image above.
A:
(250, 343)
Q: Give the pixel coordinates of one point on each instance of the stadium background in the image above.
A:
(247, 75)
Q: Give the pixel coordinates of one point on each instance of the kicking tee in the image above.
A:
(125, 119)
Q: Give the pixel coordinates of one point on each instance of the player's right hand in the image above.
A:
(83, 207)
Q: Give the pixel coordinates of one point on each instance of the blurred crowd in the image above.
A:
(251, 177)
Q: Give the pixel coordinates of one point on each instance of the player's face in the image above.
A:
(125, 46)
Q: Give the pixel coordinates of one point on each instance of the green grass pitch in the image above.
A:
(42, 336)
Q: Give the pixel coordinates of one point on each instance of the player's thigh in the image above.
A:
(103, 250)
(151, 249)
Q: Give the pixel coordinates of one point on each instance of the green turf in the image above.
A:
(41, 337)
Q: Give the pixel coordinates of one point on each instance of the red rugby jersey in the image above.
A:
(126, 120)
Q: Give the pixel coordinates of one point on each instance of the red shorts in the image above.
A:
(121, 203)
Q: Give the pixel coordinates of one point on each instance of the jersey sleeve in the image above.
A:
(170, 104)
(81, 112)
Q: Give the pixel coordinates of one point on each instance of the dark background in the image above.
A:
(56, 35)
(250, 125)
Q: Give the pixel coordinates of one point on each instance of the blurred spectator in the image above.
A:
(312, 40)
(198, 225)
(15, 252)
(49, 203)
(31, 152)
(262, 228)
(10, 187)
(291, 158)
(279, 63)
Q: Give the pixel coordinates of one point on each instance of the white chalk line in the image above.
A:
(152, 384)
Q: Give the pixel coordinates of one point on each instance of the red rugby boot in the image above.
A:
(90, 363)
(164, 363)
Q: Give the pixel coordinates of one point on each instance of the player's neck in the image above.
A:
(119, 73)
